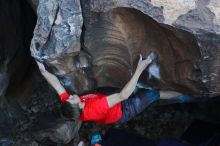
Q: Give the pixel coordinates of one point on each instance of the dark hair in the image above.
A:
(70, 111)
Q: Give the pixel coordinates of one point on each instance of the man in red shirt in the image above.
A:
(104, 109)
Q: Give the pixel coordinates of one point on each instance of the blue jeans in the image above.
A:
(143, 98)
(137, 103)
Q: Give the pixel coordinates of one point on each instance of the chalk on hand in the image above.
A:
(152, 55)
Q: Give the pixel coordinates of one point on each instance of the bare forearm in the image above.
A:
(125, 92)
(130, 86)
(53, 81)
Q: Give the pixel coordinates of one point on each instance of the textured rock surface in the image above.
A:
(57, 40)
(56, 130)
(198, 17)
(185, 35)
(34, 120)
(117, 37)
(58, 30)
(16, 84)
(191, 14)
(112, 39)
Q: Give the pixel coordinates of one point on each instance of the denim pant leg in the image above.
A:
(178, 99)
(137, 103)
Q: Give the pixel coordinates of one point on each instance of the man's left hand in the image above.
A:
(142, 64)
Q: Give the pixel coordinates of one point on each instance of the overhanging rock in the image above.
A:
(185, 35)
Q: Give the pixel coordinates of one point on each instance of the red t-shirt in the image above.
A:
(96, 109)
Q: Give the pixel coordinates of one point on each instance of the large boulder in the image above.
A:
(184, 34)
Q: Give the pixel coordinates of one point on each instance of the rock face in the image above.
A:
(184, 34)
(120, 35)
(193, 15)
(57, 131)
(90, 44)
(57, 40)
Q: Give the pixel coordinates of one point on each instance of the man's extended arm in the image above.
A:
(130, 86)
(51, 79)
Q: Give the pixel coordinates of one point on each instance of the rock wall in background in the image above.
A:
(185, 35)
(16, 30)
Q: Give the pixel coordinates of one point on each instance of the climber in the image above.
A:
(99, 108)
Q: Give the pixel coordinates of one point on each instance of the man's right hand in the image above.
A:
(41, 66)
